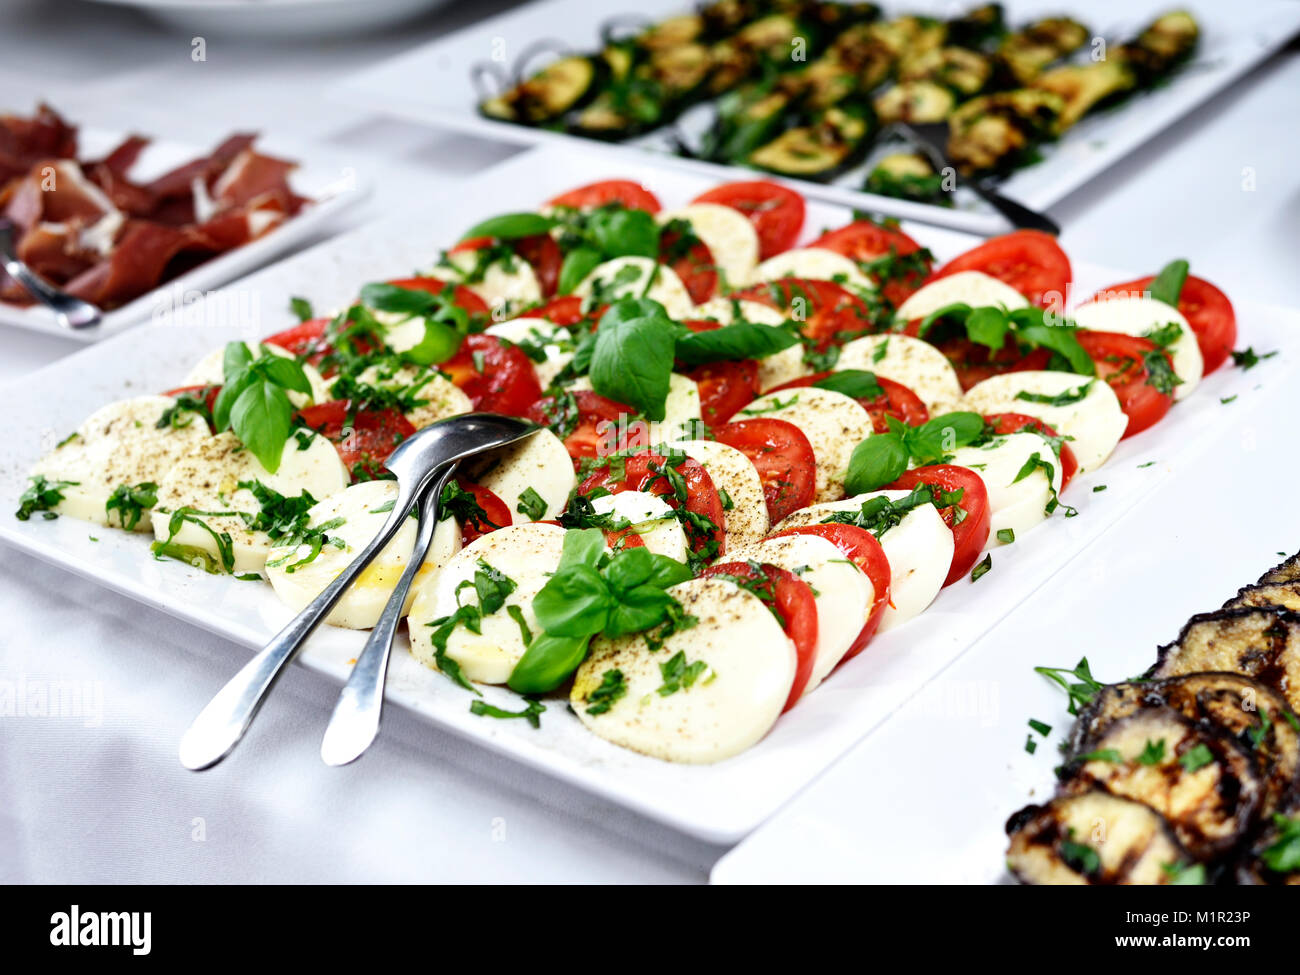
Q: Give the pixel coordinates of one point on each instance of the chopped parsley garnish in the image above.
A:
(131, 501)
(1081, 690)
(1248, 358)
(42, 494)
(532, 712)
(612, 689)
(1153, 753)
(531, 505)
(1006, 535)
(678, 674)
(1196, 757)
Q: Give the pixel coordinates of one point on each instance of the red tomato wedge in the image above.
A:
(645, 472)
(861, 548)
(632, 195)
(970, 528)
(594, 429)
(497, 377)
(541, 252)
(897, 401)
(1030, 261)
(776, 212)
(1015, 422)
(306, 340)
(725, 386)
(364, 439)
(1120, 361)
(1207, 310)
(866, 240)
(826, 313)
(975, 363)
(462, 297)
(783, 458)
(794, 604)
(567, 311)
(695, 266)
(492, 513)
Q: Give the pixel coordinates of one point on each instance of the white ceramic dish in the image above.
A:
(331, 190)
(432, 84)
(1184, 549)
(719, 803)
(279, 18)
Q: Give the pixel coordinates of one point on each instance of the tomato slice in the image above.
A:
(1015, 422)
(826, 313)
(207, 392)
(863, 549)
(644, 472)
(306, 341)
(975, 363)
(496, 376)
(632, 195)
(795, 606)
(695, 266)
(541, 252)
(970, 529)
(865, 240)
(783, 458)
(776, 211)
(462, 297)
(1207, 310)
(565, 310)
(724, 386)
(1030, 261)
(492, 513)
(363, 439)
(1120, 362)
(897, 401)
(597, 418)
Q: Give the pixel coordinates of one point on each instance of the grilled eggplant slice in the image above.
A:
(1274, 854)
(549, 94)
(1093, 838)
(914, 101)
(1203, 783)
(977, 28)
(908, 176)
(1249, 712)
(833, 142)
(1163, 46)
(1022, 56)
(959, 69)
(1083, 87)
(1288, 571)
(994, 133)
(1284, 595)
(1262, 643)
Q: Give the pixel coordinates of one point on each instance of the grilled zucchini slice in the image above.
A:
(1083, 87)
(908, 176)
(548, 95)
(1262, 643)
(994, 133)
(835, 141)
(746, 120)
(1288, 571)
(768, 40)
(1093, 838)
(1203, 783)
(1023, 55)
(914, 101)
(963, 71)
(977, 28)
(1163, 46)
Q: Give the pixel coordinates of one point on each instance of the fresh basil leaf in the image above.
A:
(439, 344)
(235, 359)
(262, 418)
(578, 263)
(301, 309)
(743, 340)
(1059, 339)
(575, 602)
(391, 298)
(930, 442)
(288, 373)
(509, 226)
(547, 663)
(1168, 284)
(230, 392)
(630, 568)
(666, 572)
(583, 546)
(988, 327)
(857, 383)
(958, 310)
(632, 360)
(638, 609)
(878, 460)
(625, 233)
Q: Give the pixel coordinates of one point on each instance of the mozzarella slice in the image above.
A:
(553, 342)
(915, 363)
(525, 554)
(919, 549)
(651, 518)
(119, 444)
(637, 277)
(206, 482)
(363, 508)
(974, 288)
(539, 462)
(210, 371)
(748, 667)
(727, 233)
(433, 395)
(1014, 505)
(833, 423)
(1137, 315)
(506, 284)
(775, 370)
(742, 490)
(1095, 422)
(816, 263)
(843, 592)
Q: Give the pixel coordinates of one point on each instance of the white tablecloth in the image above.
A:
(98, 796)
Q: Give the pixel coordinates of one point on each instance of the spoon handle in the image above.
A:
(222, 723)
(355, 721)
(71, 313)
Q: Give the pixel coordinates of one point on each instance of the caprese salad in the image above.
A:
(752, 456)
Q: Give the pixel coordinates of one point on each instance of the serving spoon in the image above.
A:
(417, 462)
(70, 312)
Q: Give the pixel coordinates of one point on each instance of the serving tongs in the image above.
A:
(423, 463)
(70, 312)
(931, 138)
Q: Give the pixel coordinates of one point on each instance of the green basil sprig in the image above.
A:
(990, 326)
(254, 400)
(883, 457)
(742, 340)
(1168, 284)
(857, 383)
(602, 234)
(445, 323)
(511, 226)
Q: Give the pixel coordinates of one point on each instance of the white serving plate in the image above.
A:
(332, 191)
(1184, 549)
(431, 84)
(719, 803)
(279, 18)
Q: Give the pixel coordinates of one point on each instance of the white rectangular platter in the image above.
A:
(432, 84)
(331, 191)
(719, 803)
